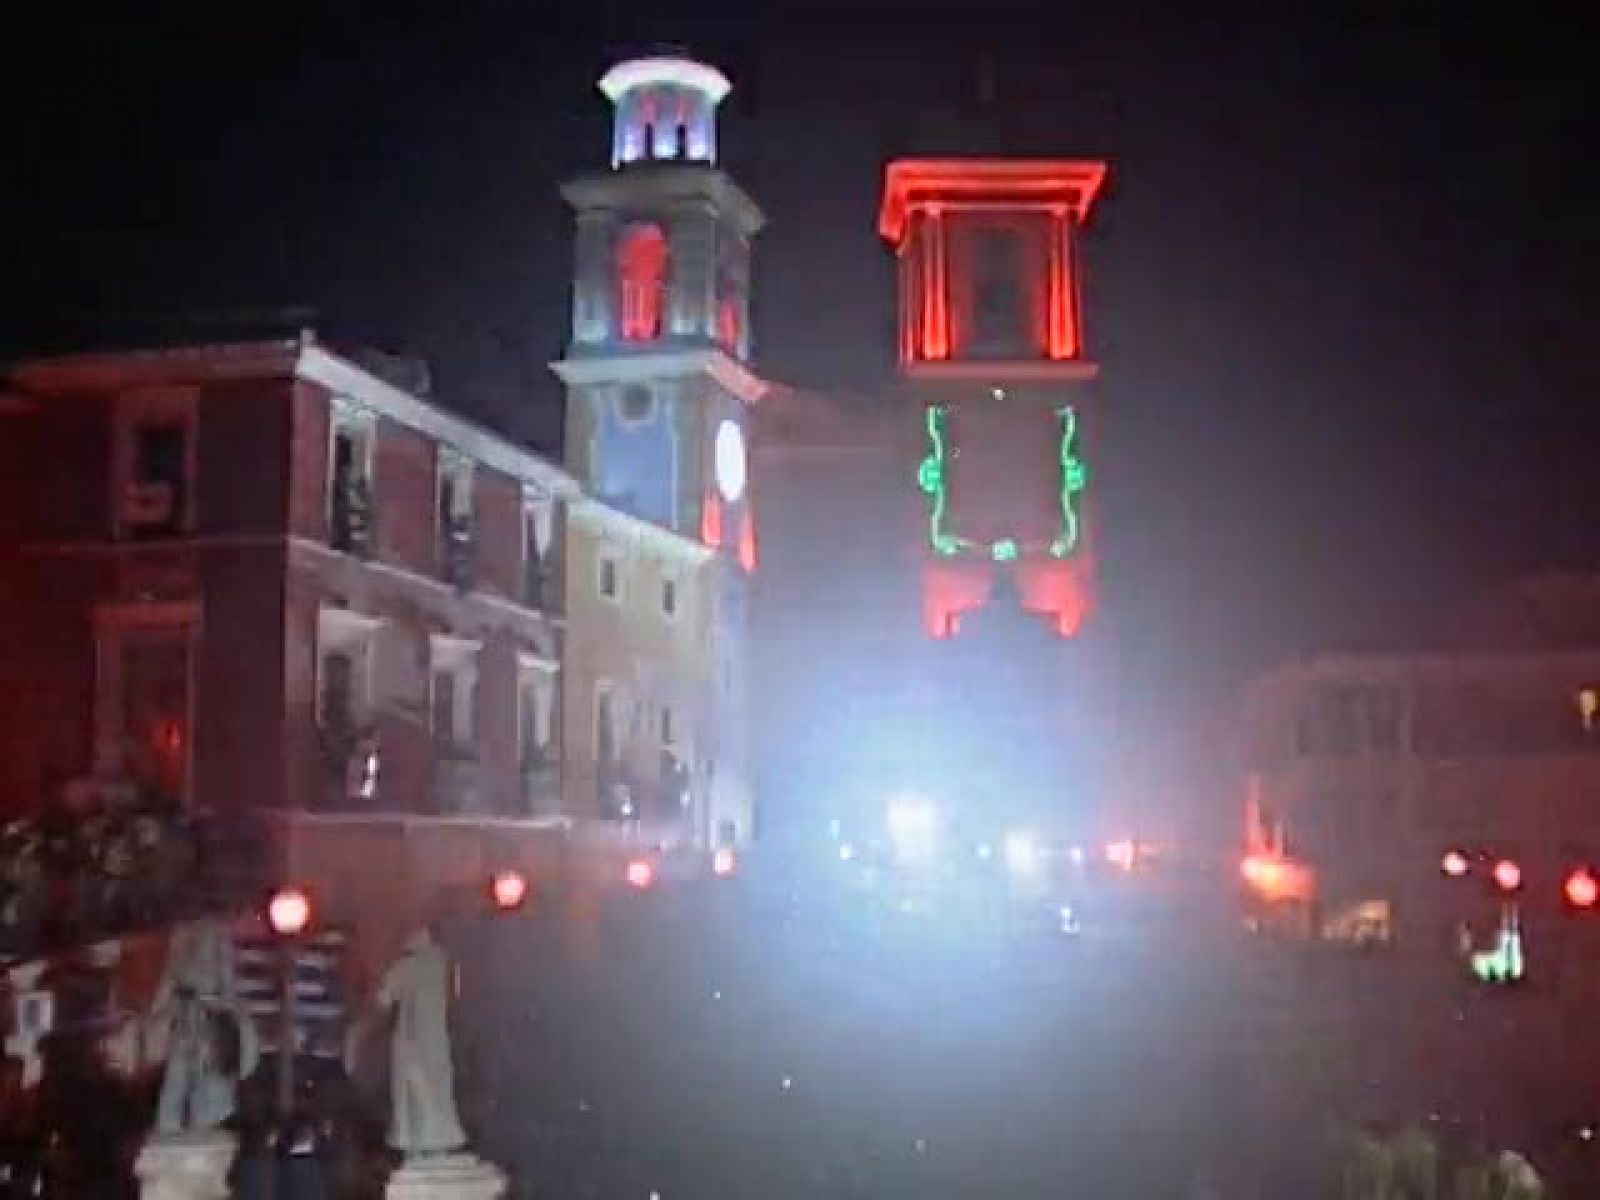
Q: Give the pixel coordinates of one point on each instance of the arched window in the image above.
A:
(641, 282)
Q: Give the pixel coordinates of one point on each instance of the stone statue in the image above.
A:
(211, 1040)
(416, 988)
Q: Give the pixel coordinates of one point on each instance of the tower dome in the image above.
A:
(664, 109)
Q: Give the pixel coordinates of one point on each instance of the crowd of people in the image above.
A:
(95, 863)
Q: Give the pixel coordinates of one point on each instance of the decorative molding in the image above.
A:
(622, 526)
(729, 373)
(354, 385)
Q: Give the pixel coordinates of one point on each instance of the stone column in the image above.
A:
(460, 1176)
(186, 1166)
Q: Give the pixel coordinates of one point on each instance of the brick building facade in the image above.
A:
(258, 577)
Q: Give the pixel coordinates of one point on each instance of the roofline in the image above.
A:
(909, 184)
(300, 358)
(728, 371)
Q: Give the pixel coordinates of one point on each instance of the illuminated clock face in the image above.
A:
(729, 457)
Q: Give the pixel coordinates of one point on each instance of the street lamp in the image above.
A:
(1454, 864)
(1507, 875)
(508, 889)
(288, 915)
(1582, 889)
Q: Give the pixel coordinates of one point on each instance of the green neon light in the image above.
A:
(933, 480)
(1505, 963)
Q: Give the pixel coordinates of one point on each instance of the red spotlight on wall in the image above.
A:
(1582, 889)
(289, 912)
(640, 874)
(1454, 864)
(1507, 875)
(508, 889)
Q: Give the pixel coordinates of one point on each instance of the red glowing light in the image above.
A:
(724, 862)
(928, 204)
(508, 889)
(289, 911)
(1582, 889)
(641, 874)
(641, 280)
(1507, 875)
(747, 540)
(711, 520)
(1454, 864)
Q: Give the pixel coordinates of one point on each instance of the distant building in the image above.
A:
(1368, 769)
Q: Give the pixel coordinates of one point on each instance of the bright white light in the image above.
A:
(913, 827)
(1022, 852)
(985, 851)
(1069, 920)
(728, 459)
(1076, 854)
(846, 852)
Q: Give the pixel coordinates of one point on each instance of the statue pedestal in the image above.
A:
(459, 1176)
(186, 1166)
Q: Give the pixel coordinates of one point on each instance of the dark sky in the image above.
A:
(1340, 283)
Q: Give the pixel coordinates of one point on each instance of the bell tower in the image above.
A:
(658, 391)
(660, 331)
(992, 347)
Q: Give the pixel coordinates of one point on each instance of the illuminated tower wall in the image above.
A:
(659, 397)
(992, 346)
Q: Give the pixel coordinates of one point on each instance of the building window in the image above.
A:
(607, 739)
(144, 694)
(154, 470)
(541, 580)
(636, 404)
(669, 597)
(346, 656)
(608, 578)
(668, 733)
(351, 439)
(456, 529)
(641, 282)
(347, 652)
(452, 693)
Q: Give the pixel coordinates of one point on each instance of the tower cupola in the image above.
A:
(664, 109)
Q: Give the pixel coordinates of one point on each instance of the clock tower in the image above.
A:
(658, 396)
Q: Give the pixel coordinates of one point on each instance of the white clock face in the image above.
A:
(729, 459)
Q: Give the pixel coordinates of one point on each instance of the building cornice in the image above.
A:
(727, 371)
(162, 365)
(350, 382)
(618, 524)
(664, 185)
(1002, 371)
(301, 358)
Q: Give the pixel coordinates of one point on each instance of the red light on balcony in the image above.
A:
(641, 874)
(724, 862)
(1454, 864)
(1582, 889)
(508, 889)
(1507, 875)
(289, 912)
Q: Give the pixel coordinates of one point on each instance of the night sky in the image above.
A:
(1339, 284)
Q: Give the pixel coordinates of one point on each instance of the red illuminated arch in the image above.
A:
(641, 282)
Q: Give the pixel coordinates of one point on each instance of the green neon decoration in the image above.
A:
(1505, 963)
(933, 480)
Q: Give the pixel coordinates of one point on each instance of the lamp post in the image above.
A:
(288, 915)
